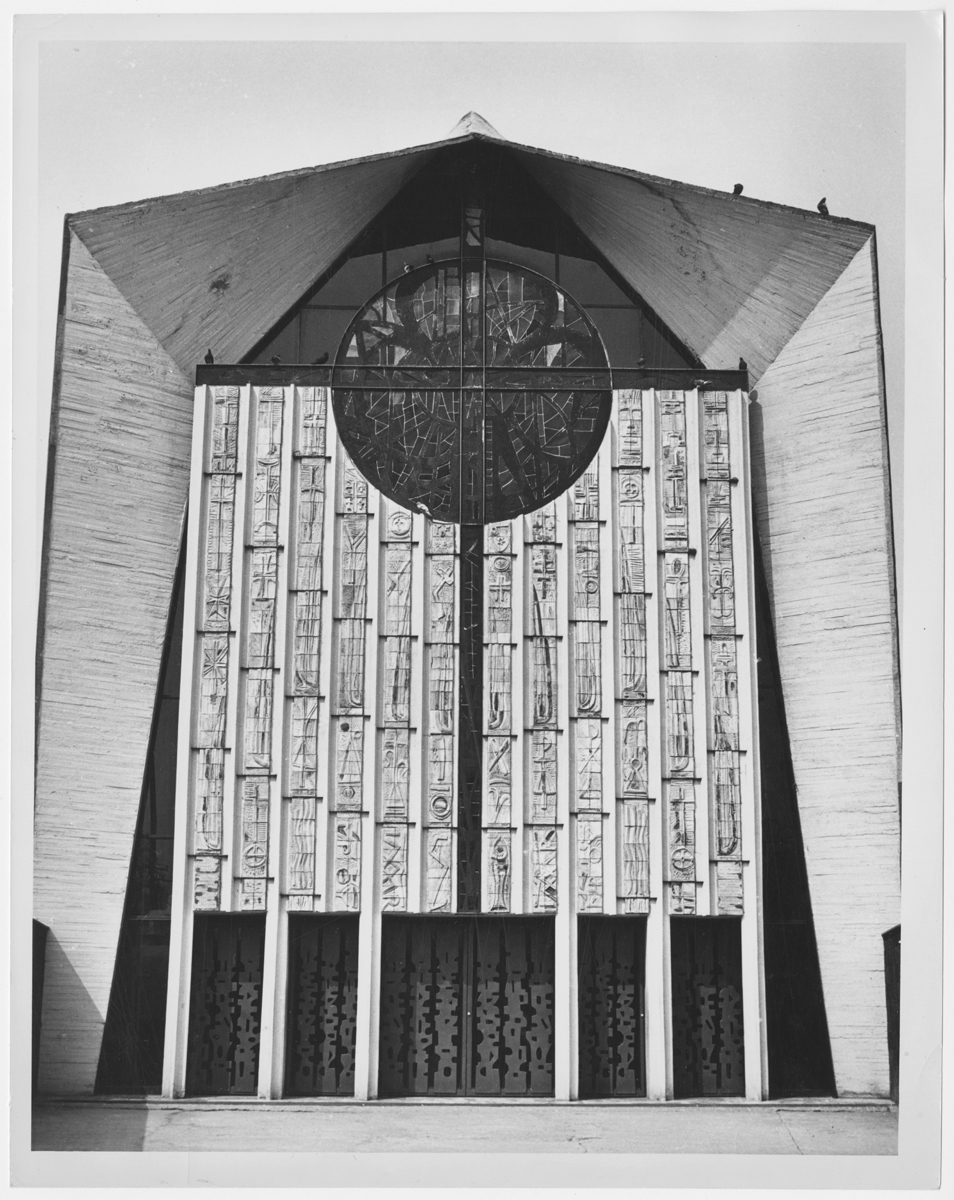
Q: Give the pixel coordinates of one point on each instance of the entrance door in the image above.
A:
(707, 1048)
(612, 971)
(467, 1006)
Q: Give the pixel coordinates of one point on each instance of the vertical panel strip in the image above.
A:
(497, 835)
(440, 716)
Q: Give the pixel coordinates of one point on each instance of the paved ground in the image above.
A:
(826, 1127)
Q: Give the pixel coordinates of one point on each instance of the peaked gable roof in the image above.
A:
(731, 276)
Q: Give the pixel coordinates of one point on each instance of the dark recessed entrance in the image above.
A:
(225, 1011)
(707, 1054)
(612, 973)
(322, 1005)
(467, 1006)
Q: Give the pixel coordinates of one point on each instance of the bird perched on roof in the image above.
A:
(322, 358)
(276, 359)
(743, 365)
(823, 207)
(702, 383)
(408, 268)
(737, 190)
(640, 362)
(208, 357)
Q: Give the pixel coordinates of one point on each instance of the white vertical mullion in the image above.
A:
(520, 850)
(180, 925)
(565, 981)
(369, 921)
(658, 981)
(417, 765)
(238, 619)
(697, 626)
(606, 538)
(324, 735)
(753, 950)
(275, 956)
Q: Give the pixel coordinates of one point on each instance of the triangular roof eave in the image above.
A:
(429, 148)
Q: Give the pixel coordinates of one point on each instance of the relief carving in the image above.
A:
(588, 738)
(586, 573)
(304, 746)
(349, 759)
(218, 558)
(589, 863)
(259, 688)
(634, 752)
(311, 434)
(632, 646)
(543, 783)
(301, 857)
(310, 524)
(586, 496)
(441, 702)
(440, 571)
(543, 870)
(677, 633)
(499, 592)
(267, 468)
(673, 470)
(499, 781)
(206, 895)
(679, 741)
(586, 664)
(497, 844)
(354, 487)
(634, 890)
(715, 406)
(224, 440)
(498, 688)
(438, 870)
(307, 644)
(209, 798)
(682, 833)
(394, 868)
(254, 860)
(395, 770)
(263, 584)
(631, 539)
(629, 417)
(440, 779)
(347, 860)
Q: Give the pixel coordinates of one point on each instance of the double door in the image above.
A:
(467, 1006)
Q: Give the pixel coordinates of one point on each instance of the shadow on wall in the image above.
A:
(56, 1069)
(63, 1069)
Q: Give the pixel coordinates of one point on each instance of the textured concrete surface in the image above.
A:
(826, 1127)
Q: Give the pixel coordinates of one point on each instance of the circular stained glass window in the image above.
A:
(472, 392)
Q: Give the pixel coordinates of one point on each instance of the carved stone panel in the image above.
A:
(395, 770)
(588, 757)
(303, 758)
(678, 644)
(633, 748)
(499, 869)
(629, 422)
(440, 688)
(543, 777)
(347, 862)
(499, 781)
(349, 764)
(589, 862)
(253, 861)
(681, 810)
(543, 590)
(301, 845)
(497, 711)
(440, 595)
(587, 685)
(394, 867)
(586, 496)
(218, 558)
(438, 869)
(267, 466)
(223, 442)
(679, 728)
(543, 870)
(259, 715)
(586, 572)
(499, 592)
(634, 865)
(675, 496)
(632, 563)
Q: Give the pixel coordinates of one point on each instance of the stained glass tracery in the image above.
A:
(472, 392)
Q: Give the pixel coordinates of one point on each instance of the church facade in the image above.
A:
(468, 654)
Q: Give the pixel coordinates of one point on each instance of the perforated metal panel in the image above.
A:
(322, 1006)
(467, 1007)
(612, 969)
(707, 1050)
